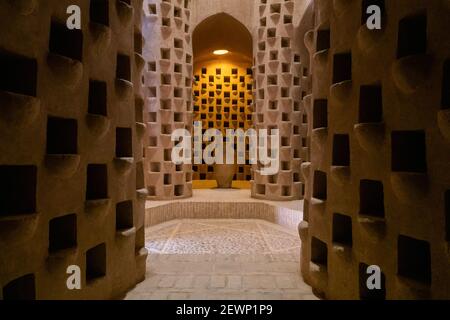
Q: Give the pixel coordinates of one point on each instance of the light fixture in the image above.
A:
(221, 52)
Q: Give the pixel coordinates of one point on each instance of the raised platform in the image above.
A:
(224, 204)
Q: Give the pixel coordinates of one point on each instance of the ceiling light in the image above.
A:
(220, 52)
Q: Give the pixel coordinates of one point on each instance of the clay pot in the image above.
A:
(224, 175)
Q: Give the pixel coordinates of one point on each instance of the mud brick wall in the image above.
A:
(70, 149)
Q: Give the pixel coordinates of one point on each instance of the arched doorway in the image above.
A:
(222, 87)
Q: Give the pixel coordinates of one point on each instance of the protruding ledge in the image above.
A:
(123, 165)
(63, 166)
(97, 207)
(124, 89)
(124, 11)
(306, 170)
(142, 194)
(140, 62)
(98, 125)
(409, 187)
(18, 110)
(65, 70)
(309, 40)
(23, 7)
(340, 174)
(368, 40)
(410, 73)
(319, 137)
(18, 228)
(303, 229)
(126, 233)
(444, 123)
(375, 227)
(370, 136)
(341, 92)
(101, 35)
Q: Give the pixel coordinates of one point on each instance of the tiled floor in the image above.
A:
(222, 259)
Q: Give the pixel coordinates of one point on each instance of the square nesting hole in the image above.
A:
(62, 136)
(124, 143)
(342, 230)
(18, 190)
(414, 259)
(167, 179)
(409, 151)
(62, 233)
(370, 294)
(445, 96)
(341, 150)
(342, 67)
(320, 185)
(447, 214)
(123, 67)
(97, 182)
(412, 36)
(124, 216)
(99, 12)
(370, 104)
(20, 289)
(65, 42)
(260, 189)
(323, 40)
(97, 98)
(96, 263)
(319, 252)
(19, 74)
(179, 190)
(371, 198)
(320, 111)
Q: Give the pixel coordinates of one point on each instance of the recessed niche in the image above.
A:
(179, 190)
(62, 233)
(178, 43)
(123, 67)
(319, 252)
(124, 216)
(285, 191)
(261, 189)
(19, 74)
(366, 4)
(153, 141)
(323, 40)
(342, 230)
(285, 42)
(97, 182)
(412, 36)
(99, 12)
(138, 42)
(371, 198)
(275, 8)
(409, 151)
(18, 190)
(62, 136)
(165, 53)
(364, 292)
(167, 179)
(341, 150)
(66, 42)
(124, 143)
(140, 177)
(152, 8)
(342, 67)
(21, 289)
(414, 259)
(445, 99)
(320, 119)
(447, 214)
(97, 98)
(370, 104)
(320, 185)
(96, 262)
(271, 33)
